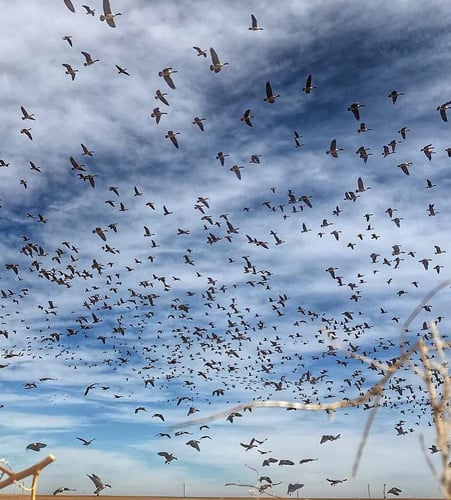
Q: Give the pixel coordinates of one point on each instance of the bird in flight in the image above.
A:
(26, 115)
(216, 64)
(200, 52)
(100, 485)
(172, 136)
(442, 110)
(166, 75)
(308, 85)
(122, 71)
(334, 482)
(37, 446)
(70, 71)
(246, 118)
(62, 489)
(198, 121)
(354, 108)
(168, 457)
(27, 132)
(292, 487)
(86, 151)
(394, 491)
(270, 97)
(89, 60)
(254, 24)
(89, 10)
(156, 113)
(160, 96)
(328, 437)
(333, 150)
(86, 442)
(108, 15)
(394, 94)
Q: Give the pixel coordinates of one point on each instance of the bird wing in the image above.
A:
(162, 98)
(69, 5)
(107, 13)
(87, 56)
(269, 93)
(254, 21)
(106, 7)
(169, 81)
(214, 56)
(96, 480)
(247, 115)
(405, 169)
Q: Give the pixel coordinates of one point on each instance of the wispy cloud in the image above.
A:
(149, 273)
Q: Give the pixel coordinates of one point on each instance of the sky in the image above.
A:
(141, 281)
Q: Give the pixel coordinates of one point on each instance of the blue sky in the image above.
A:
(228, 292)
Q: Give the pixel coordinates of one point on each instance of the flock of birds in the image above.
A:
(170, 331)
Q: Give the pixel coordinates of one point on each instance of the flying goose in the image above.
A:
(221, 156)
(172, 136)
(246, 118)
(168, 457)
(108, 15)
(333, 150)
(86, 151)
(160, 96)
(363, 128)
(26, 115)
(428, 151)
(70, 71)
(100, 485)
(89, 59)
(166, 74)
(442, 109)
(198, 121)
(86, 442)
(122, 71)
(296, 138)
(89, 10)
(27, 132)
(200, 52)
(62, 489)
(405, 167)
(394, 94)
(308, 85)
(403, 131)
(270, 97)
(354, 108)
(334, 482)
(216, 64)
(292, 487)
(156, 113)
(254, 25)
(37, 446)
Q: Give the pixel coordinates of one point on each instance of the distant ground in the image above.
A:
(111, 497)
